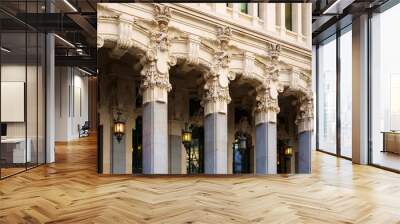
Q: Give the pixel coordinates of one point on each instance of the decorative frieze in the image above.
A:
(305, 113)
(157, 61)
(217, 80)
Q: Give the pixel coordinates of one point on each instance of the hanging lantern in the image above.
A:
(288, 151)
(186, 136)
(119, 127)
(242, 142)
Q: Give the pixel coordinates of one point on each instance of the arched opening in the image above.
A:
(287, 144)
(119, 83)
(241, 129)
(186, 112)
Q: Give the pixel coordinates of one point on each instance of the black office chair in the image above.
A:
(84, 130)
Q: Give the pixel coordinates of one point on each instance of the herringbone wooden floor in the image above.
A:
(70, 191)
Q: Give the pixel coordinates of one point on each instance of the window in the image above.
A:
(288, 16)
(260, 8)
(346, 93)
(243, 8)
(385, 89)
(327, 96)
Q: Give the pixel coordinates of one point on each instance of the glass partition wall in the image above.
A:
(334, 88)
(22, 77)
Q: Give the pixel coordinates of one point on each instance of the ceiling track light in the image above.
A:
(84, 71)
(65, 41)
(5, 50)
(330, 7)
(70, 5)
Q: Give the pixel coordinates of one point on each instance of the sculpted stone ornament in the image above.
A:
(305, 114)
(194, 48)
(216, 87)
(248, 63)
(157, 61)
(266, 103)
(124, 41)
(267, 106)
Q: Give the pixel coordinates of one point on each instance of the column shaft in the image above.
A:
(216, 140)
(304, 155)
(266, 149)
(155, 138)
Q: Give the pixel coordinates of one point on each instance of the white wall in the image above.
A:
(71, 103)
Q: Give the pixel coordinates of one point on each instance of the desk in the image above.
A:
(391, 141)
(13, 150)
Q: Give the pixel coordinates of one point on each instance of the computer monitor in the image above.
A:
(3, 130)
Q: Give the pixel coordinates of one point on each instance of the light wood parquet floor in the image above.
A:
(70, 191)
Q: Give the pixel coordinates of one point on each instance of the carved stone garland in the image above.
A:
(217, 80)
(157, 61)
(267, 105)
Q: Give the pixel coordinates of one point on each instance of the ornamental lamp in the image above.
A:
(119, 127)
(186, 136)
(242, 142)
(288, 151)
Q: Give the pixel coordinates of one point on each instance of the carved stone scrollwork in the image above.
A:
(194, 48)
(100, 41)
(267, 106)
(248, 64)
(216, 86)
(157, 61)
(305, 113)
(124, 41)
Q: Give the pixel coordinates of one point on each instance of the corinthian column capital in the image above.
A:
(157, 61)
(217, 80)
(267, 106)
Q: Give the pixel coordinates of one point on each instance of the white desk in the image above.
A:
(18, 149)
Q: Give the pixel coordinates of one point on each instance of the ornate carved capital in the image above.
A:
(157, 61)
(305, 113)
(216, 94)
(216, 87)
(267, 106)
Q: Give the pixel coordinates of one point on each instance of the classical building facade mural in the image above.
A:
(236, 76)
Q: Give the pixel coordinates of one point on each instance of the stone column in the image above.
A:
(270, 16)
(305, 126)
(297, 23)
(280, 11)
(215, 103)
(155, 86)
(265, 117)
